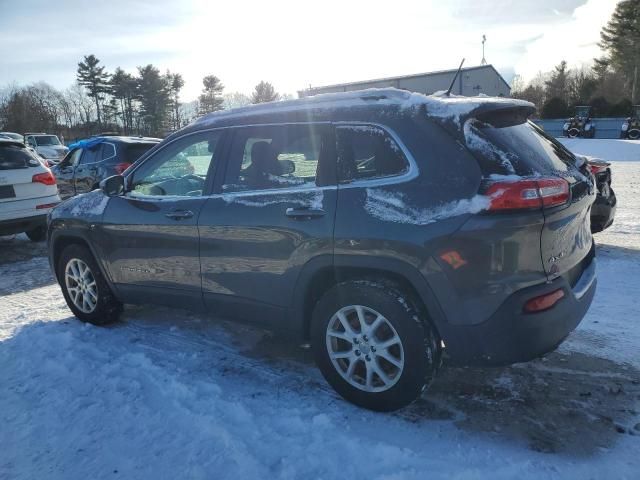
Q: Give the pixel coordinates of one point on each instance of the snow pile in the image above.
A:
(392, 207)
(606, 149)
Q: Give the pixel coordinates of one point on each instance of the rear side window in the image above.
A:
(16, 157)
(366, 152)
(91, 155)
(132, 152)
(519, 149)
(279, 156)
(108, 151)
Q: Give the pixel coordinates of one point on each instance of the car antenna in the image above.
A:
(448, 94)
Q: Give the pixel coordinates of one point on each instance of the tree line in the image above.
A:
(147, 102)
(611, 84)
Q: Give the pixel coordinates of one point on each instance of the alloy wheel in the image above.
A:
(81, 285)
(365, 348)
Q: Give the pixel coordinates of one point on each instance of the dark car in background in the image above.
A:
(603, 209)
(90, 161)
(389, 230)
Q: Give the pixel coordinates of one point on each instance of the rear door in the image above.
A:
(86, 168)
(64, 172)
(149, 236)
(274, 214)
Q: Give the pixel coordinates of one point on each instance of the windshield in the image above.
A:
(13, 136)
(46, 140)
(523, 150)
(582, 111)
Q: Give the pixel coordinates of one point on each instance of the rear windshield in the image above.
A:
(132, 152)
(46, 140)
(519, 149)
(12, 158)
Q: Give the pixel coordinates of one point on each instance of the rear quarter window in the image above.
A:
(519, 149)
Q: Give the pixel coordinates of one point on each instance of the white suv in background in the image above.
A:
(47, 146)
(28, 191)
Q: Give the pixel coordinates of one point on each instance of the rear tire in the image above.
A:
(385, 356)
(84, 287)
(37, 234)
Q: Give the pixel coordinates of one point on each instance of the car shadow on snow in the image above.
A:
(18, 248)
(563, 403)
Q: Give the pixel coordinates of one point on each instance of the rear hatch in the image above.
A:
(17, 171)
(524, 168)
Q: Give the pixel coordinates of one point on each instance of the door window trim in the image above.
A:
(407, 176)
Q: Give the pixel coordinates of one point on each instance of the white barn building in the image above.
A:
(471, 82)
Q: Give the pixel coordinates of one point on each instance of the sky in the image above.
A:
(293, 44)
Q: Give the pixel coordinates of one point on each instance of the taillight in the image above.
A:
(46, 205)
(527, 194)
(544, 302)
(47, 178)
(596, 169)
(121, 167)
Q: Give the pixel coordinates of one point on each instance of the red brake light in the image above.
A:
(47, 178)
(543, 302)
(595, 169)
(121, 167)
(525, 193)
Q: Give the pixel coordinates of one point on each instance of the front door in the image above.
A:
(64, 173)
(273, 214)
(150, 234)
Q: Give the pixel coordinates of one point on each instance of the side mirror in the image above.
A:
(113, 186)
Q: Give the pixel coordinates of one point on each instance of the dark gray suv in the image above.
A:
(388, 229)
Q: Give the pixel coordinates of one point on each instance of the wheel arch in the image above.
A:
(318, 277)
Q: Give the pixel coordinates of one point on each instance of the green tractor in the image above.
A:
(631, 126)
(581, 124)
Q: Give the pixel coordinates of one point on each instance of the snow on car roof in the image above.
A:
(437, 105)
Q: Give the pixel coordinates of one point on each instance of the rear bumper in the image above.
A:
(19, 225)
(512, 336)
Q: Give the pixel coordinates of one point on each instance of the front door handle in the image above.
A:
(179, 214)
(304, 213)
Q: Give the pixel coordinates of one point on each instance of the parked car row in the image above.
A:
(389, 230)
(29, 188)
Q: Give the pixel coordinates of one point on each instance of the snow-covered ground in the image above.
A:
(170, 394)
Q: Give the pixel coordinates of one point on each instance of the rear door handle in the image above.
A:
(304, 213)
(179, 214)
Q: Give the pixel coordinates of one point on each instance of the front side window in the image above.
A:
(180, 169)
(91, 155)
(281, 156)
(368, 152)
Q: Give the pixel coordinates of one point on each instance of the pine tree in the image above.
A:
(93, 77)
(123, 89)
(620, 39)
(175, 82)
(558, 84)
(264, 92)
(211, 97)
(153, 94)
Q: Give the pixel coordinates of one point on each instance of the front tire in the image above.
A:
(37, 234)
(84, 288)
(371, 345)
